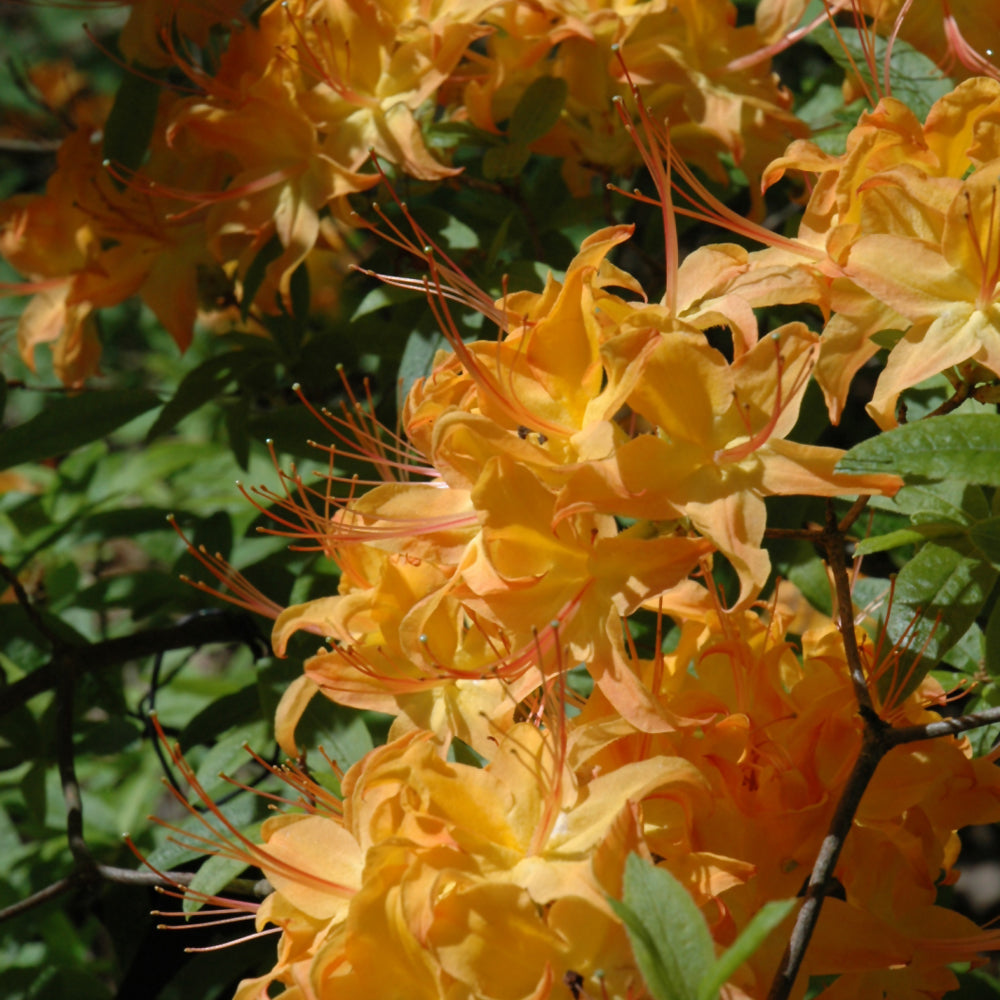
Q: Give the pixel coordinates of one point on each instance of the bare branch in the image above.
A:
(95, 873)
(224, 626)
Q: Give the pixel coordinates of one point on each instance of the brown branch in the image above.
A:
(222, 627)
(879, 739)
(28, 606)
(832, 541)
(942, 727)
(876, 742)
(95, 873)
(962, 392)
(873, 749)
(36, 899)
(857, 509)
(67, 766)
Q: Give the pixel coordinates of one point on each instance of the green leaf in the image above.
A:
(538, 109)
(503, 162)
(937, 597)
(130, 122)
(224, 713)
(992, 642)
(961, 503)
(963, 447)
(206, 382)
(257, 271)
(240, 812)
(68, 423)
(299, 292)
(380, 297)
(977, 984)
(418, 358)
(764, 921)
(985, 536)
(237, 417)
(894, 539)
(669, 936)
(213, 876)
(914, 78)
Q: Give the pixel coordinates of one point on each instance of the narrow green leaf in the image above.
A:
(130, 123)
(257, 271)
(235, 708)
(67, 423)
(236, 414)
(977, 984)
(945, 500)
(992, 642)
(962, 447)
(380, 297)
(767, 918)
(983, 739)
(914, 78)
(508, 160)
(937, 597)
(240, 812)
(417, 360)
(892, 540)
(538, 109)
(985, 536)
(646, 953)
(674, 950)
(213, 876)
(200, 385)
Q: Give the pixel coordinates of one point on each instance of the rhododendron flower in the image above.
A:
(87, 244)
(148, 36)
(413, 877)
(678, 56)
(897, 179)
(947, 289)
(717, 447)
(452, 639)
(779, 738)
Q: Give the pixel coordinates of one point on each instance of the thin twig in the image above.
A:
(872, 751)
(79, 878)
(832, 541)
(875, 744)
(67, 767)
(53, 891)
(962, 392)
(943, 727)
(225, 626)
(857, 509)
(27, 605)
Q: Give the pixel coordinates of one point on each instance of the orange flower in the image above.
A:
(717, 445)
(896, 181)
(945, 286)
(87, 244)
(678, 55)
(779, 737)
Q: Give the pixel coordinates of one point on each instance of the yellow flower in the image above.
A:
(946, 288)
(717, 445)
(897, 179)
(678, 55)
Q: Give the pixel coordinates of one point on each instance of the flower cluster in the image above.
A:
(587, 464)
(908, 219)
(261, 129)
(428, 868)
